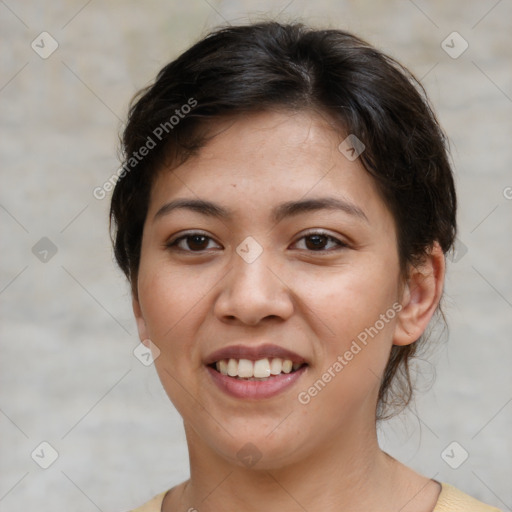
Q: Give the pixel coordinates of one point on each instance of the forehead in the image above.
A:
(266, 158)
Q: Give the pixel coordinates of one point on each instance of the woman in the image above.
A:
(282, 215)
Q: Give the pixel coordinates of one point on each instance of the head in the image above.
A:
(257, 119)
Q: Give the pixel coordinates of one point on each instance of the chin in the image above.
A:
(259, 447)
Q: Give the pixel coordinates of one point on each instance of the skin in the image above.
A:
(323, 455)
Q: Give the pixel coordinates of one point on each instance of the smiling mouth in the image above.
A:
(259, 370)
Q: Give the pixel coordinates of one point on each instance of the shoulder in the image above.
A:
(452, 499)
(154, 505)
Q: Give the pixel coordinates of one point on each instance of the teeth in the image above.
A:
(245, 368)
(275, 366)
(232, 368)
(222, 367)
(261, 369)
(287, 366)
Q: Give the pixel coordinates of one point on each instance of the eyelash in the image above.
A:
(173, 244)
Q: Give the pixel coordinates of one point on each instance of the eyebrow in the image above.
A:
(288, 209)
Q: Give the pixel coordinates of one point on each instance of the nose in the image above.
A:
(253, 292)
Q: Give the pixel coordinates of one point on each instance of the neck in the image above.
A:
(348, 473)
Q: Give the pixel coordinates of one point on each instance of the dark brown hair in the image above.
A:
(269, 66)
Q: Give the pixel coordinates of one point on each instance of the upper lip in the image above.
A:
(253, 353)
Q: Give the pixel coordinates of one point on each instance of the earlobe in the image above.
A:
(420, 297)
(139, 318)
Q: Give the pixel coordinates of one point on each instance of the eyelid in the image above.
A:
(318, 231)
(187, 232)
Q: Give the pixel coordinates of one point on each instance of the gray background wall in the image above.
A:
(67, 372)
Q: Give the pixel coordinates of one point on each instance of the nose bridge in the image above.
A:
(253, 274)
(251, 290)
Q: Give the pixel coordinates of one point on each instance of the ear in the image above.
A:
(139, 318)
(420, 298)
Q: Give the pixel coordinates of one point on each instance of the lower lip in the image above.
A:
(253, 389)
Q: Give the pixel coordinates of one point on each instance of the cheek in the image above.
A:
(353, 316)
(173, 303)
(349, 300)
(171, 300)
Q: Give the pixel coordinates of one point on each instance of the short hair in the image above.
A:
(272, 66)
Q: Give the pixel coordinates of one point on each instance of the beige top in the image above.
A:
(450, 500)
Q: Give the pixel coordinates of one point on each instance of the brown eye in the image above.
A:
(315, 242)
(320, 242)
(195, 242)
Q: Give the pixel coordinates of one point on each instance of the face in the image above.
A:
(268, 250)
